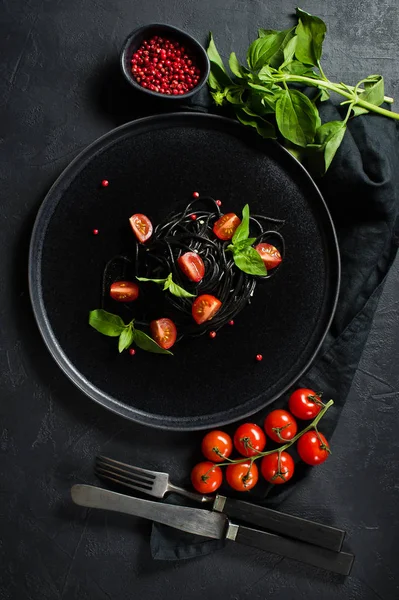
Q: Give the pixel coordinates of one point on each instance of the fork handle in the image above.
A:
(191, 495)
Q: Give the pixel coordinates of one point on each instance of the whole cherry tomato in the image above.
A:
(313, 448)
(242, 476)
(205, 308)
(206, 477)
(216, 446)
(280, 425)
(124, 291)
(249, 439)
(164, 332)
(225, 226)
(142, 227)
(305, 404)
(269, 254)
(274, 472)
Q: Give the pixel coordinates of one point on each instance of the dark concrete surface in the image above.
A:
(59, 91)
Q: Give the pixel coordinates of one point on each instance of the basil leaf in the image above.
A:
(284, 36)
(106, 323)
(264, 49)
(250, 262)
(218, 97)
(265, 74)
(330, 136)
(149, 279)
(218, 78)
(297, 118)
(242, 231)
(297, 68)
(325, 95)
(125, 338)
(373, 90)
(263, 127)
(311, 32)
(178, 291)
(234, 94)
(145, 342)
(289, 49)
(213, 54)
(234, 65)
(242, 245)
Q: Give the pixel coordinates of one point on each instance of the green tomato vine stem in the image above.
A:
(312, 425)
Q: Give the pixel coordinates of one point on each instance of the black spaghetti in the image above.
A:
(191, 230)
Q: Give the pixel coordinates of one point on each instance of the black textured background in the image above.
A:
(59, 90)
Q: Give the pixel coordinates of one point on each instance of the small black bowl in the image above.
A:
(138, 36)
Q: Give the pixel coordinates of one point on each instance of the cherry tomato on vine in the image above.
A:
(249, 439)
(206, 477)
(216, 446)
(280, 426)
(313, 448)
(192, 266)
(225, 227)
(142, 227)
(164, 332)
(305, 404)
(124, 291)
(205, 308)
(270, 468)
(269, 254)
(242, 476)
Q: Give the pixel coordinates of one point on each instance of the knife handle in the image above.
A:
(337, 562)
(311, 532)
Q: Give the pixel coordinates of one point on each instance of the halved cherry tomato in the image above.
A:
(269, 254)
(124, 291)
(242, 476)
(142, 227)
(192, 266)
(249, 439)
(280, 425)
(206, 477)
(305, 403)
(313, 448)
(225, 227)
(216, 446)
(164, 332)
(205, 308)
(270, 467)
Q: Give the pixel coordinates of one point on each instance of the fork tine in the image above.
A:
(138, 488)
(123, 478)
(137, 470)
(130, 473)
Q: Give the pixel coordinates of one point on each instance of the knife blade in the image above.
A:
(213, 525)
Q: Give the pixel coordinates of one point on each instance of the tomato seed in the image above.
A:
(259, 357)
(95, 231)
(105, 183)
(132, 351)
(212, 334)
(231, 322)
(196, 195)
(219, 202)
(193, 217)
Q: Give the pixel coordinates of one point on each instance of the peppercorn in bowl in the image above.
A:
(164, 61)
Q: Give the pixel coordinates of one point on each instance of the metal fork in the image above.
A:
(148, 482)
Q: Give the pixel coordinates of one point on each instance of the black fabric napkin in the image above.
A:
(361, 190)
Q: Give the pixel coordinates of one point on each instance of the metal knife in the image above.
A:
(212, 524)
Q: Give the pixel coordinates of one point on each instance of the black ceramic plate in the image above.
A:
(151, 165)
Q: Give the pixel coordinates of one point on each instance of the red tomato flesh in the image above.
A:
(124, 291)
(205, 308)
(192, 266)
(142, 227)
(269, 254)
(225, 227)
(164, 332)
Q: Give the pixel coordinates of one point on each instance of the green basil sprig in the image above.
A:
(169, 284)
(245, 256)
(113, 326)
(262, 97)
